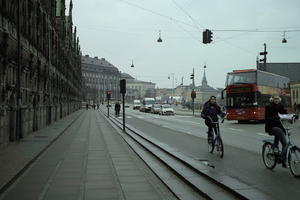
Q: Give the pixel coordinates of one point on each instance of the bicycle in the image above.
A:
(216, 140)
(292, 157)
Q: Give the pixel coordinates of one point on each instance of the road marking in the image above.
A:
(128, 117)
(234, 129)
(264, 134)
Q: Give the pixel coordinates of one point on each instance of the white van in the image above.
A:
(147, 104)
(136, 104)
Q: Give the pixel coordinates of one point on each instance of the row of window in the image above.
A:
(99, 76)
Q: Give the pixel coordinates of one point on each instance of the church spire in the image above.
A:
(71, 10)
(204, 81)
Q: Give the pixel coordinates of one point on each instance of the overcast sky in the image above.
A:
(124, 30)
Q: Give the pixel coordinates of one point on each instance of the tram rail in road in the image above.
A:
(191, 179)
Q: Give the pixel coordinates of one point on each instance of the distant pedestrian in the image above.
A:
(97, 106)
(87, 106)
(117, 108)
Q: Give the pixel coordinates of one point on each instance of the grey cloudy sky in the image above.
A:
(125, 30)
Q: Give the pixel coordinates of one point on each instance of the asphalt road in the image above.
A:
(243, 143)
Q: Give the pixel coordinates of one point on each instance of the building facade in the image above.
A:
(295, 96)
(136, 89)
(99, 76)
(203, 92)
(290, 70)
(40, 68)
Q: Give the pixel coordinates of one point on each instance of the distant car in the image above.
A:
(155, 108)
(166, 109)
(136, 104)
(127, 105)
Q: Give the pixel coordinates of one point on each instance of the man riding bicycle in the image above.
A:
(210, 113)
(273, 125)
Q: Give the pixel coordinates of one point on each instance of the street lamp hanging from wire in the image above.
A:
(284, 39)
(159, 37)
(132, 64)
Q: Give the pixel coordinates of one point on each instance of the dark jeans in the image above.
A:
(117, 112)
(210, 126)
(280, 136)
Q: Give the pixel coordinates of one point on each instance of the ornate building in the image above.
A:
(137, 89)
(40, 67)
(98, 77)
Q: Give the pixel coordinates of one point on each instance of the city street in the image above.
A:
(243, 144)
(88, 161)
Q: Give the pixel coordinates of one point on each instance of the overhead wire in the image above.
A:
(156, 13)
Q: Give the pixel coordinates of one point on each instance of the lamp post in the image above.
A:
(172, 83)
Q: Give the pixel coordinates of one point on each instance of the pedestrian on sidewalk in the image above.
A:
(117, 108)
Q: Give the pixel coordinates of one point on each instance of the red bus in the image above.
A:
(249, 91)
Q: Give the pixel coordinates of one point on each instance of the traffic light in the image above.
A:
(192, 76)
(123, 86)
(207, 36)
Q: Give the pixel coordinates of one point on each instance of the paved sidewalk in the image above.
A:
(88, 161)
(17, 157)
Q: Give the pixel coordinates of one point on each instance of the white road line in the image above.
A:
(128, 117)
(234, 129)
(264, 134)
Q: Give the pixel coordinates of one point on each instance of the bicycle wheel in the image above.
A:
(220, 147)
(294, 161)
(211, 144)
(268, 155)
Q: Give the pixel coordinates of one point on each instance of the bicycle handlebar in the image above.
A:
(223, 118)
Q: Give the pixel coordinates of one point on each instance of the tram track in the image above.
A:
(198, 176)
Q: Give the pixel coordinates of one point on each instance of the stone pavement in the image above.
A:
(89, 160)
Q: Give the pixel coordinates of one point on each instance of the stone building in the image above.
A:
(40, 68)
(203, 91)
(290, 70)
(295, 96)
(99, 76)
(136, 89)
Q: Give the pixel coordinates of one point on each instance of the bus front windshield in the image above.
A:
(241, 100)
(241, 78)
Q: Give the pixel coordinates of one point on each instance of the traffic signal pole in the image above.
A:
(123, 92)
(193, 99)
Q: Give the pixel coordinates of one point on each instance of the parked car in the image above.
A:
(155, 108)
(136, 104)
(166, 109)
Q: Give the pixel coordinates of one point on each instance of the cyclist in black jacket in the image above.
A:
(273, 125)
(210, 113)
